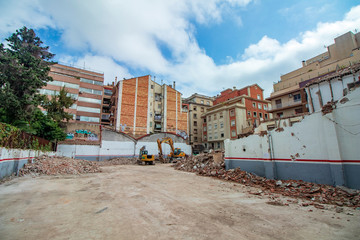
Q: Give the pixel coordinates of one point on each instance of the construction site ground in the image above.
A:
(158, 202)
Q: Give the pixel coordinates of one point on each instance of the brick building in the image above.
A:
(141, 106)
(85, 86)
(235, 112)
(198, 105)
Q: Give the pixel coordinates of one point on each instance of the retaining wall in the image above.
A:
(11, 160)
(321, 148)
(115, 144)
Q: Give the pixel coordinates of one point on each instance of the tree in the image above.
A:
(24, 68)
(43, 126)
(56, 106)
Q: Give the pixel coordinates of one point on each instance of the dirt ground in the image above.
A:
(158, 202)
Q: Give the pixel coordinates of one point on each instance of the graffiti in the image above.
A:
(82, 134)
(182, 134)
(122, 127)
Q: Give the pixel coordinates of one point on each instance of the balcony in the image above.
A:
(157, 118)
(284, 106)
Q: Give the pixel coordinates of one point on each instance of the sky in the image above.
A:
(205, 46)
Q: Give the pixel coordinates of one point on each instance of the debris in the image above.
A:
(204, 164)
(118, 161)
(339, 209)
(58, 165)
(100, 211)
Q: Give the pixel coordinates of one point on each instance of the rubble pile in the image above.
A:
(58, 165)
(204, 164)
(118, 161)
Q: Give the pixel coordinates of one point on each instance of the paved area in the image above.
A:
(157, 202)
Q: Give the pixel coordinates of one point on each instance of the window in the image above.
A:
(210, 137)
(195, 123)
(194, 108)
(195, 139)
(207, 103)
(218, 145)
(249, 113)
(232, 123)
(63, 84)
(209, 118)
(91, 81)
(195, 115)
(259, 105)
(233, 133)
(202, 101)
(202, 109)
(209, 127)
(232, 112)
(215, 116)
(205, 120)
(222, 135)
(298, 110)
(92, 91)
(278, 103)
(215, 126)
(260, 115)
(254, 105)
(152, 86)
(265, 107)
(258, 96)
(221, 125)
(215, 136)
(205, 137)
(255, 114)
(266, 116)
(221, 115)
(89, 100)
(195, 131)
(297, 97)
(87, 119)
(53, 92)
(280, 114)
(204, 128)
(107, 92)
(88, 109)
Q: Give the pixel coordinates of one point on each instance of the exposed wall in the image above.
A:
(11, 160)
(320, 148)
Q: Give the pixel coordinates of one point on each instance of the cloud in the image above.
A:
(104, 64)
(118, 37)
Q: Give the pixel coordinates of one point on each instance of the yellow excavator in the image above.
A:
(175, 153)
(145, 158)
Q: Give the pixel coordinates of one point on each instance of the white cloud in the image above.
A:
(121, 34)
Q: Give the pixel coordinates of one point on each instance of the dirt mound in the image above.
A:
(58, 165)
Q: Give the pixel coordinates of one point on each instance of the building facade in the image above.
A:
(84, 86)
(289, 98)
(140, 106)
(235, 112)
(197, 105)
(105, 110)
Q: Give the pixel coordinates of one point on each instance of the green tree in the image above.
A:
(56, 105)
(24, 68)
(43, 126)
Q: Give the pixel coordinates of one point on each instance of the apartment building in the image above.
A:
(85, 86)
(235, 112)
(105, 109)
(289, 98)
(141, 106)
(198, 105)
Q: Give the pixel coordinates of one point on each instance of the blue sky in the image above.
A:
(204, 45)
